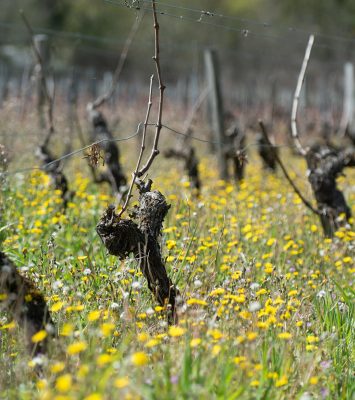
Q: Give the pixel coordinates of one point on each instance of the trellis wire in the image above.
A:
(243, 31)
(125, 139)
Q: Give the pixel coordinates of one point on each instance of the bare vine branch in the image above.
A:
(135, 173)
(283, 168)
(156, 58)
(43, 80)
(296, 97)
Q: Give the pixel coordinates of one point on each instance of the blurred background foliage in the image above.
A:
(262, 46)
(98, 17)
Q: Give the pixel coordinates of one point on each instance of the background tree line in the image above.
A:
(261, 47)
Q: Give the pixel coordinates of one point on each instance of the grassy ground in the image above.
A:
(268, 303)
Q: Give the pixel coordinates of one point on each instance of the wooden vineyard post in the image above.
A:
(303, 94)
(216, 109)
(4, 83)
(347, 121)
(41, 43)
(72, 99)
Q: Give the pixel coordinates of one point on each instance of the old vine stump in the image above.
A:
(122, 237)
(325, 165)
(25, 304)
(113, 174)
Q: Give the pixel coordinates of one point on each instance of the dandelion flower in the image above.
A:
(39, 336)
(139, 359)
(312, 339)
(195, 342)
(283, 381)
(94, 315)
(107, 328)
(284, 335)
(63, 383)
(176, 331)
(76, 348)
(103, 359)
(121, 383)
(94, 396)
(216, 349)
(254, 383)
(57, 306)
(57, 367)
(313, 380)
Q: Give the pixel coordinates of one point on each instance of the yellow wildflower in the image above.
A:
(57, 367)
(216, 350)
(94, 396)
(94, 315)
(284, 335)
(217, 292)
(39, 336)
(63, 383)
(176, 331)
(76, 348)
(103, 359)
(121, 383)
(283, 381)
(139, 359)
(195, 342)
(107, 328)
(57, 306)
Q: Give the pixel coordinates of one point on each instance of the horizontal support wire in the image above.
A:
(286, 29)
(167, 46)
(73, 153)
(291, 30)
(175, 131)
(242, 31)
(65, 35)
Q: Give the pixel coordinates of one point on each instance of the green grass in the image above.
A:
(250, 262)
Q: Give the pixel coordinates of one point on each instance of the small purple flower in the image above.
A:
(324, 393)
(174, 379)
(326, 364)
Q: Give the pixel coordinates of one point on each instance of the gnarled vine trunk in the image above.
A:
(141, 237)
(191, 164)
(325, 165)
(54, 170)
(113, 173)
(25, 304)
